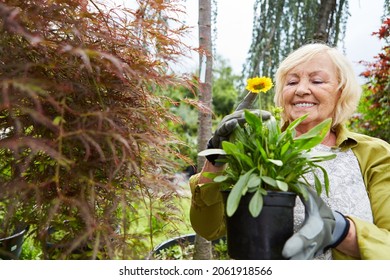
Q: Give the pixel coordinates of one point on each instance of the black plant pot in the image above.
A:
(11, 246)
(182, 241)
(263, 237)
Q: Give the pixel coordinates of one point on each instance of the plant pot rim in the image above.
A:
(17, 233)
(273, 198)
(268, 191)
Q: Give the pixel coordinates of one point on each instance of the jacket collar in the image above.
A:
(344, 138)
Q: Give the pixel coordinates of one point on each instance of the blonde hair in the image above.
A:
(348, 84)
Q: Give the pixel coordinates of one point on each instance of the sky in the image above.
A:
(234, 31)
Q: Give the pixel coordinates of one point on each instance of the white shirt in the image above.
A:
(347, 192)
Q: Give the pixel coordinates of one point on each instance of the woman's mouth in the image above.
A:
(304, 104)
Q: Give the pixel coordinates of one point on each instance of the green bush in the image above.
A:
(373, 116)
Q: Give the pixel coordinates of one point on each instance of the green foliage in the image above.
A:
(84, 146)
(182, 103)
(177, 252)
(261, 157)
(185, 251)
(30, 250)
(224, 88)
(373, 116)
(220, 250)
(185, 108)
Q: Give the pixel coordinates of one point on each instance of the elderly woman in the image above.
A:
(319, 81)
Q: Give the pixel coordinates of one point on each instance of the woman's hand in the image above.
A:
(349, 245)
(323, 228)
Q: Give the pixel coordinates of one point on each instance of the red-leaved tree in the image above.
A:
(374, 117)
(85, 152)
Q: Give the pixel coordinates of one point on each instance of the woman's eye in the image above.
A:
(291, 83)
(317, 82)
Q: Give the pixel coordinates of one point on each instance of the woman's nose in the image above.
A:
(302, 89)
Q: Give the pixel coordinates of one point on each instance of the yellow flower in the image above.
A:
(259, 84)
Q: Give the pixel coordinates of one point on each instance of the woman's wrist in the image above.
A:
(209, 167)
(350, 244)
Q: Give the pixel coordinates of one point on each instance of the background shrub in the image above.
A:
(85, 152)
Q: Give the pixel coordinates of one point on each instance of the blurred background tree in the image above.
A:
(373, 115)
(281, 26)
(225, 88)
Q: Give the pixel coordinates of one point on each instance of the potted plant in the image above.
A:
(11, 244)
(265, 166)
(12, 233)
(182, 247)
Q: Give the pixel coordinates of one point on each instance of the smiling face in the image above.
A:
(311, 88)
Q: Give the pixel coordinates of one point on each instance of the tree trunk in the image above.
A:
(325, 20)
(281, 26)
(202, 246)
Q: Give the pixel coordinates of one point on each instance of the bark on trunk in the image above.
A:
(202, 246)
(325, 20)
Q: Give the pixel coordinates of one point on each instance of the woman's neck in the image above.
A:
(330, 139)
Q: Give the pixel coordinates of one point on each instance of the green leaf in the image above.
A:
(261, 149)
(326, 178)
(256, 204)
(211, 152)
(314, 136)
(320, 156)
(230, 148)
(262, 191)
(276, 162)
(320, 129)
(246, 159)
(283, 186)
(296, 122)
(236, 193)
(253, 120)
(220, 178)
(238, 135)
(301, 188)
(317, 184)
(284, 148)
(254, 181)
(274, 130)
(270, 181)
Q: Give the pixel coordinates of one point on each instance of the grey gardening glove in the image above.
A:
(323, 228)
(229, 123)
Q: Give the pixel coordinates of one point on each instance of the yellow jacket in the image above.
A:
(373, 154)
